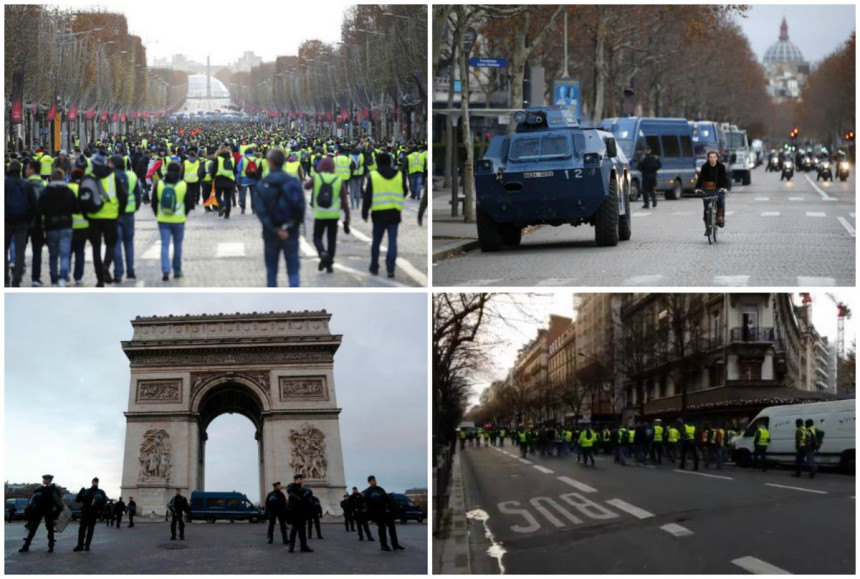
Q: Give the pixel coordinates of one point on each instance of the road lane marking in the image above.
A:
(795, 198)
(676, 530)
(225, 249)
(524, 461)
(644, 279)
(577, 485)
(730, 212)
(816, 214)
(758, 567)
(704, 474)
(536, 503)
(407, 267)
(806, 281)
(731, 280)
(817, 492)
(480, 282)
(821, 191)
(847, 226)
(762, 199)
(495, 550)
(629, 509)
(308, 250)
(640, 214)
(544, 469)
(682, 213)
(770, 214)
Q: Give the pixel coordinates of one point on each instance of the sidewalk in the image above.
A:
(451, 545)
(451, 235)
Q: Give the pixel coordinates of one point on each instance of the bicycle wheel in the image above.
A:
(712, 226)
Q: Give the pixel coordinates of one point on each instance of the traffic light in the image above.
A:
(794, 132)
(849, 136)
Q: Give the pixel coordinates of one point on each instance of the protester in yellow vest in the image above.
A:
(80, 225)
(415, 162)
(328, 198)
(657, 442)
(125, 223)
(103, 223)
(760, 444)
(190, 174)
(171, 210)
(383, 200)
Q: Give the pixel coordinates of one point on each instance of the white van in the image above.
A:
(837, 419)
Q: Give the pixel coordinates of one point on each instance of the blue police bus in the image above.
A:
(670, 139)
(707, 136)
(228, 506)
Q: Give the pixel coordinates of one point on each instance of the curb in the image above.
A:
(452, 554)
(464, 246)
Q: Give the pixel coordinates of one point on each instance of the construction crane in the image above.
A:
(843, 312)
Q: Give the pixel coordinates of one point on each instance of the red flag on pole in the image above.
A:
(52, 113)
(73, 112)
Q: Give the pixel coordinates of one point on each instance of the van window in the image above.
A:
(753, 427)
(216, 503)
(233, 503)
(686, 146)
(653, 141)
(197, 503)
(670, 146)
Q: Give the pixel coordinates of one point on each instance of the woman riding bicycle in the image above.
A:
(713, 180)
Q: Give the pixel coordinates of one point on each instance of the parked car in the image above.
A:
(20, 505)
(228, 506)
(407, 510)
(69, 499)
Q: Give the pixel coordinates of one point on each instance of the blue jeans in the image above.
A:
(243, 190)
(59, 249)
(177, 231)
(721, 201)
(416, 180)
(271, 252)
(79, 243)
(379, 229)
(355, 191)
(124, 239)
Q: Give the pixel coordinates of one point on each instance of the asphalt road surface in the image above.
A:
(551, 515)
(797, 233)
(220, 548)
(229, 253)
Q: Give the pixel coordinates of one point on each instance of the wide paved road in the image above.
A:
(229, 253)
(796, 233)
(551, 515)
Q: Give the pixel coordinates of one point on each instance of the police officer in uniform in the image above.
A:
(360, 512)
(132, 511)
(178, 506)
(119, 508)
(298, 509)
(382, 510)
(46, 502)
(276, 508)
(649, 165)
(313, 514)
(92, 501)
(348, 518)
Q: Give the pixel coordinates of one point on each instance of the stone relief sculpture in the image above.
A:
(155, 456)
(302, 388)
(308, 452)
(159, 391)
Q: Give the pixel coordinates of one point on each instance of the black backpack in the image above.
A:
(326, 194)
(91, 195)
(16, 206)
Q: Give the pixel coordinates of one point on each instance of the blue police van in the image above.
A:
(670, 139)
(227, 506)
(707, 136)
(553, 172)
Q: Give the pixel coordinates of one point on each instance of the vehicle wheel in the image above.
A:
(606, 220)
(210, 519)
(624, 229)
(842, 179)
(676, 191)
(846, 463)
(253, 519)
(511, 234)
(635, 191)
(747, 178)
(488, 233)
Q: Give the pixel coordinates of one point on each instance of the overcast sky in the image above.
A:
(67, 384)
(817, 30)
(225, 30)
(521, 327)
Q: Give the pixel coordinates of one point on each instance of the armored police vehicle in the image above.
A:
(553, 172)
(738, 166)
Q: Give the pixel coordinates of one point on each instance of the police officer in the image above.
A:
(649, 165)
(360, 512)
(314, 514)
(382, 510)
(348, 518)
(132, 511)
(276, 508)
(92, 501)
(762, 439)
(688, 444)
(119, 509)
(298, 508)
(178, 506)
(46, 502)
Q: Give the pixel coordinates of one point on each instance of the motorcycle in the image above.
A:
(772, 164)
(824, 171)
(787, 170)
(842, 170)
(807, 164)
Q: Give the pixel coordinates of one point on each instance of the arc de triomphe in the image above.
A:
(274, 368)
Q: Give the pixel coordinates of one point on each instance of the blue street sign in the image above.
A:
(457, 87)
(488, 62)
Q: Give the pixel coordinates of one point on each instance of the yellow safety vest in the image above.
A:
(207, 178)
(387, 193)
(630, 435)
(78, 219)
(178, 216)
(658, 434)
(674, 434)
(45, 161)
(131, 204)
(191, 171)
(416, 163)
(332, 212)
(292, 168)
(622, 432)
(690, 430)
(763, 436)
(462, 434)
(224, 172)
(245, 165)
(110, 207)
(358, 171)
(586, 440)
(341, 166)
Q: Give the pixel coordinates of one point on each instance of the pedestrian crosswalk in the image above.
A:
(647, 280)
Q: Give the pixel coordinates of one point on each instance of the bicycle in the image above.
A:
(710, 216)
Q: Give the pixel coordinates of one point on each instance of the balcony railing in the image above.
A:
(752, 335)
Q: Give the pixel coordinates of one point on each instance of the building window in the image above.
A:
(750, 371)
